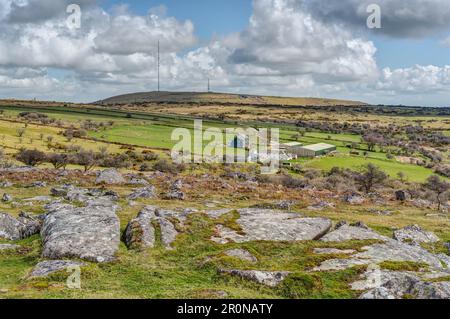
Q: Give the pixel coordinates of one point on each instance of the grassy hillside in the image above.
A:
(222, 98)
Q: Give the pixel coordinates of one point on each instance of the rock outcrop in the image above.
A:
(18, 228)
(346, 233)
(147, 192)
(383, 284)
(415, 235)
(391, 250)
(272, 225)
(140, 232)
(110, 177)
(175, 191)
(268, 278)
(91, 232)
(168, 232)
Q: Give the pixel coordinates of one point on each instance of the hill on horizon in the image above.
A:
(222, 98)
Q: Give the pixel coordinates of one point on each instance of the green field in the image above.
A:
(154, 131)
(414, 173)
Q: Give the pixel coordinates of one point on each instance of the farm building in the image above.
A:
(316, 150)
(239, 141)
(291, 147)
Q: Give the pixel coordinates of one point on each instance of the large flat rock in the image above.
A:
(346, 233)
(391, 250)
(273, 225)
(91, 233)
(268, 278)
(383, 284)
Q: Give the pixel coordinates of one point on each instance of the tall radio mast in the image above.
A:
(158, 67)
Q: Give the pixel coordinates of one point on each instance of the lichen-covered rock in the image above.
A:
(415, 235)
(168, 233)
(10, 228)
(140, 232)
(333, 251)
(382, 284)
(110, 177)
(391, 250)
(268, 278)
(354, 199)
(136, 180)
(175, 194)
(175, 191)
(18, 228)
(38, 184)
(346, 233)
(272, 225)
(144, 192)
(91, 233)
(242, 254)
(6, 198)
(45, 268)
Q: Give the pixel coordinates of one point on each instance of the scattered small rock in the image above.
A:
(400, 196)
(110, 177)
(37, 184)
(354, 199)
(175, 192)
(144, 192)
(268, 278)
(241, 254)
(415, 235)
(321, 205)
(333, 251)
(136, 180)
(6, 198)
(5, 184)
(45, 268)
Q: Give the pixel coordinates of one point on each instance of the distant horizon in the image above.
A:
(225, 93)
(392, 53)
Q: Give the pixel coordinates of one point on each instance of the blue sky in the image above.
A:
(218, 17)
(317, 48)
(209, 16)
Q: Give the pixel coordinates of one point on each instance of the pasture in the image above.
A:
(153, 131)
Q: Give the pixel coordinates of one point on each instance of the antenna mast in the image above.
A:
(158, 67)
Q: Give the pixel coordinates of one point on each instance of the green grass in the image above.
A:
(182, 273)
(392, 168)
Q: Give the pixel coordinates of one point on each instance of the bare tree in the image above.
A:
(439, 187)
(31, 157)
(20, 132)
(59, 160)
(86, 159)
(370, 177)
